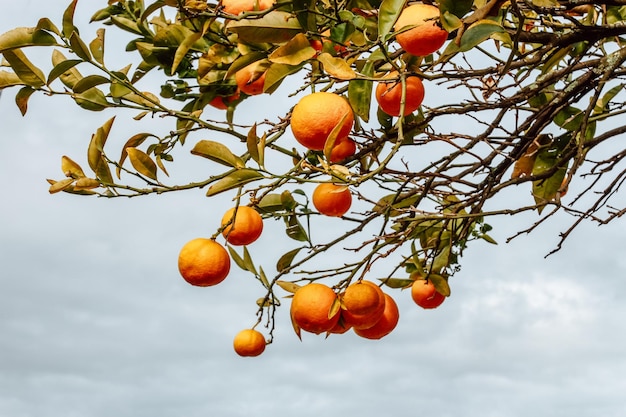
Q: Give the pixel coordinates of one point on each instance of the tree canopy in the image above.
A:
(524, 97)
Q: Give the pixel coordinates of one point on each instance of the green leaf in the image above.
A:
(92, 99)
(360, 92)
(286, 259)
(236, 258)
(89, 82)
(252, 143)
(602, 106)
(183, 49)
(397, 282)
(271, 203)
(96, 46)
(79, 47)
(68, 19)
(233, 180)
(24, 37)
(295, 230)
(479, 32)
(440, 283)
(24, 69)
(274, 27)
(546, 3)
(458, 8)
(387, 15)
(21, 98)
(545, 190)
(294, 52)
(65, 70)
(9, 79)
(217, 152)
(142, 162)
(276, 73)
(247, 259)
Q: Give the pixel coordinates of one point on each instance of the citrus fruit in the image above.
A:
(341, 327)
(222, 102)
(386, 324)
(242, 225)
(389, 95)
(310, 308)
(251, 79)
(249, 342)
(371, 309)
(362, 297)
(426, 35)
(203, 262)
(331, 199)
(425, 295)
(239, 6)
(344, 148)
(316, 115)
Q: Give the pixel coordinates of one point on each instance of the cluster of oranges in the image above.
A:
(363, 307)
(322, 121)
(204, 262)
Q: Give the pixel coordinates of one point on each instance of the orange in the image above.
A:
(427, 36)
(324, 43)
(310, 308)
(341, 327)
(240, 6)
(203, 262)
(386, 324)
(251, 79)
(316, 115)
(332, 199)
(362, 297)
(222, 102)
(389, 95)
(343, 149)
(425, 295)
(242, 225)
(249, 342)
(364, 308)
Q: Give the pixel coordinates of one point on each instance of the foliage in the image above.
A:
(525, 96)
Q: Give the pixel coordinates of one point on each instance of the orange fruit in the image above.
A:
(316, 115)
(332, 199)
(249, 342)
(324, 43)
(363, 308)
(362, 297)
(389, 95)
(242, 225)
(222, 102)
(251, 79)
(425, 295)
(427, 36)
(341, 327)
(239, 6)
(343, 149)
(203, 262)
(310, 307)
(386, 324)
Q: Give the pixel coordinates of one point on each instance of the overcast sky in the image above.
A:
(95, 320)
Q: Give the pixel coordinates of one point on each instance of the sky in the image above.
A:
(95, 320)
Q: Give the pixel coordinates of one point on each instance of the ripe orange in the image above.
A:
(311, 306)
(239, 6)
(386, 324)
(389, 95)
(242, 225)
(364, 308)
(251, 79)
(362, 297)
(425, 295)
(203, 262)
(249, 342)
(341, 327)
(427, 36)
(344, 148)
(332, 199)
(222, 102)
(316, 115)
